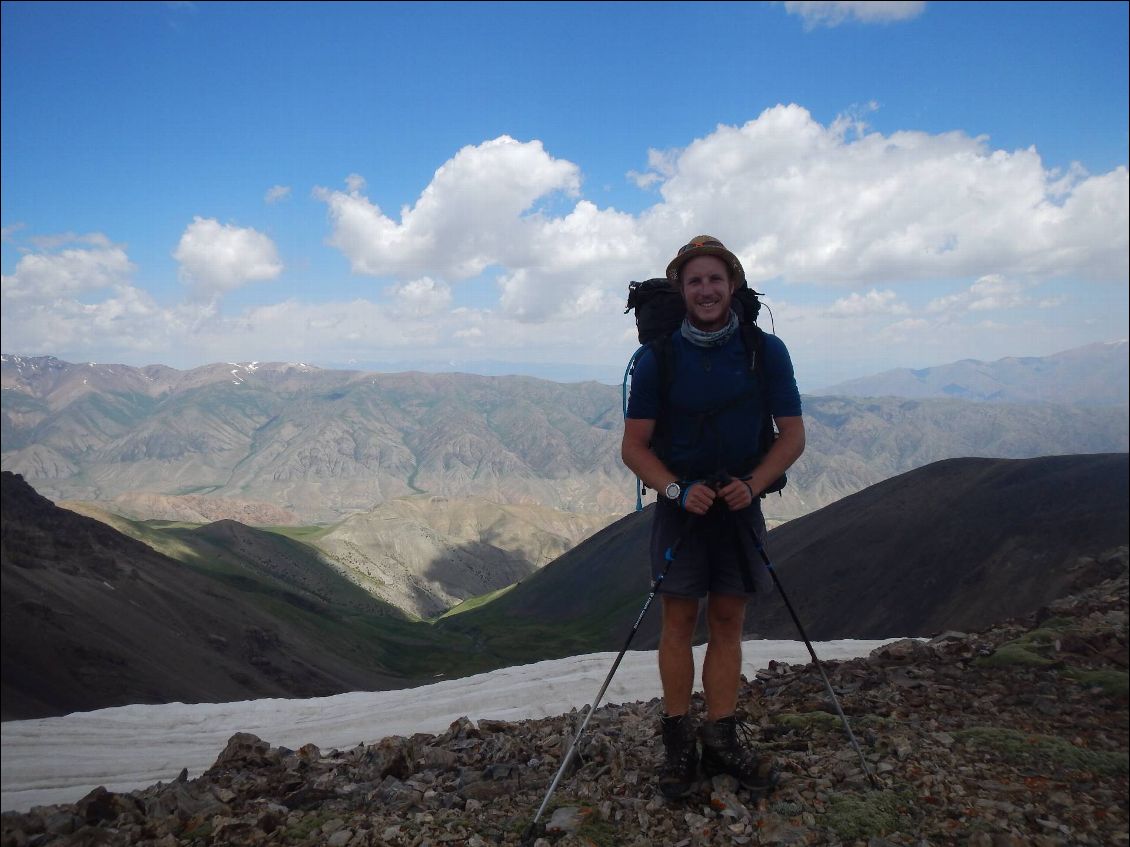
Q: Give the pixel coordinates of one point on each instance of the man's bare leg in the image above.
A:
(676, 661)
(722, 668)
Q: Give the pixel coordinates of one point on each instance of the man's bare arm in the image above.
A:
(785, 450)
(636, 452)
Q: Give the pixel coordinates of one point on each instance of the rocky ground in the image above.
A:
(1017, 735)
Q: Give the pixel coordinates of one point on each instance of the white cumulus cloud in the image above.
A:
(874, 302)
(216, 258)
(988, 293)
(420, 297)
(831, 13)
(838, 204)
(469, 217)
(79, 298)
(480, 211)
(8, 231)
(51, 274)
(661, 165)
(799, 201)
(276, 194)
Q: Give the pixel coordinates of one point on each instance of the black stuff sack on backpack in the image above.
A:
(660, 310)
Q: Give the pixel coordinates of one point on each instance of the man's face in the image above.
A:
(707, 292)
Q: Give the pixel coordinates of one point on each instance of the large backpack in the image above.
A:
(659, 313)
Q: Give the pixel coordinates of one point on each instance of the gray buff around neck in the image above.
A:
(709, 339)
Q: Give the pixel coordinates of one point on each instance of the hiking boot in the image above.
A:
(680, 764)
(724, 753)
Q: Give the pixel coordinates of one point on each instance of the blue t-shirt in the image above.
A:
(713, 411)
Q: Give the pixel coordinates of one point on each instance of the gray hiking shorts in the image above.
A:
(713, 554)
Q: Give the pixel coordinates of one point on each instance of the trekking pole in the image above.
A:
(669, 556)
(835, 701)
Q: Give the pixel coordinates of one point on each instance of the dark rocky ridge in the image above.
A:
(956, 544)
(92, 618)
(1013, 736)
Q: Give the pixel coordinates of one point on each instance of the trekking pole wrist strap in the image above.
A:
(685, 488)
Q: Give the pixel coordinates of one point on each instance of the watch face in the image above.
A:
(673, 491)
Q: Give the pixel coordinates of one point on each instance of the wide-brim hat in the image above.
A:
(705, 245)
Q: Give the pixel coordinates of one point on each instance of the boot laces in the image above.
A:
(737, 744)
(745, 733)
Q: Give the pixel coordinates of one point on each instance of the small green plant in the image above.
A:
(1028, 650)
(808, 720)
(860, 816)
(1012, 653)
(1046, 752)
(870, 721)
(1111, 682)
(203, 831)
(1058, 624)
(599, 832)
(302, 829)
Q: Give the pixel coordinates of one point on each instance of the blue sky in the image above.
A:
(472, 186)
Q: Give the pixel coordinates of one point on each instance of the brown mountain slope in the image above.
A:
(957, 544)
(92, 619)
(424, 554)
(197, 508)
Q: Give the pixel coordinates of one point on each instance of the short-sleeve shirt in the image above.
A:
(714, 409)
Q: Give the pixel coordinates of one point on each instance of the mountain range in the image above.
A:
(290, 443)
(94, 618)
(1095, 375)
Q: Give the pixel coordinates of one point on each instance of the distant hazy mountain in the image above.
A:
(273, 439)
(1095, 375)
(323, 444)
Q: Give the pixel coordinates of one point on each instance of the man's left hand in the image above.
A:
(736, 494)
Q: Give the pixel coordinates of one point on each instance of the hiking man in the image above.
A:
(695, 441)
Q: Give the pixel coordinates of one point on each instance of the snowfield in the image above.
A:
(59, 760)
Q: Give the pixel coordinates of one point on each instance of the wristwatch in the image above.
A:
(673, 491)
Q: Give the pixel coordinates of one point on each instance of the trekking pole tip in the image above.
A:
(530, 835)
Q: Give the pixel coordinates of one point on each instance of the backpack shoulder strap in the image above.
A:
(663, 348)
(753, 337)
